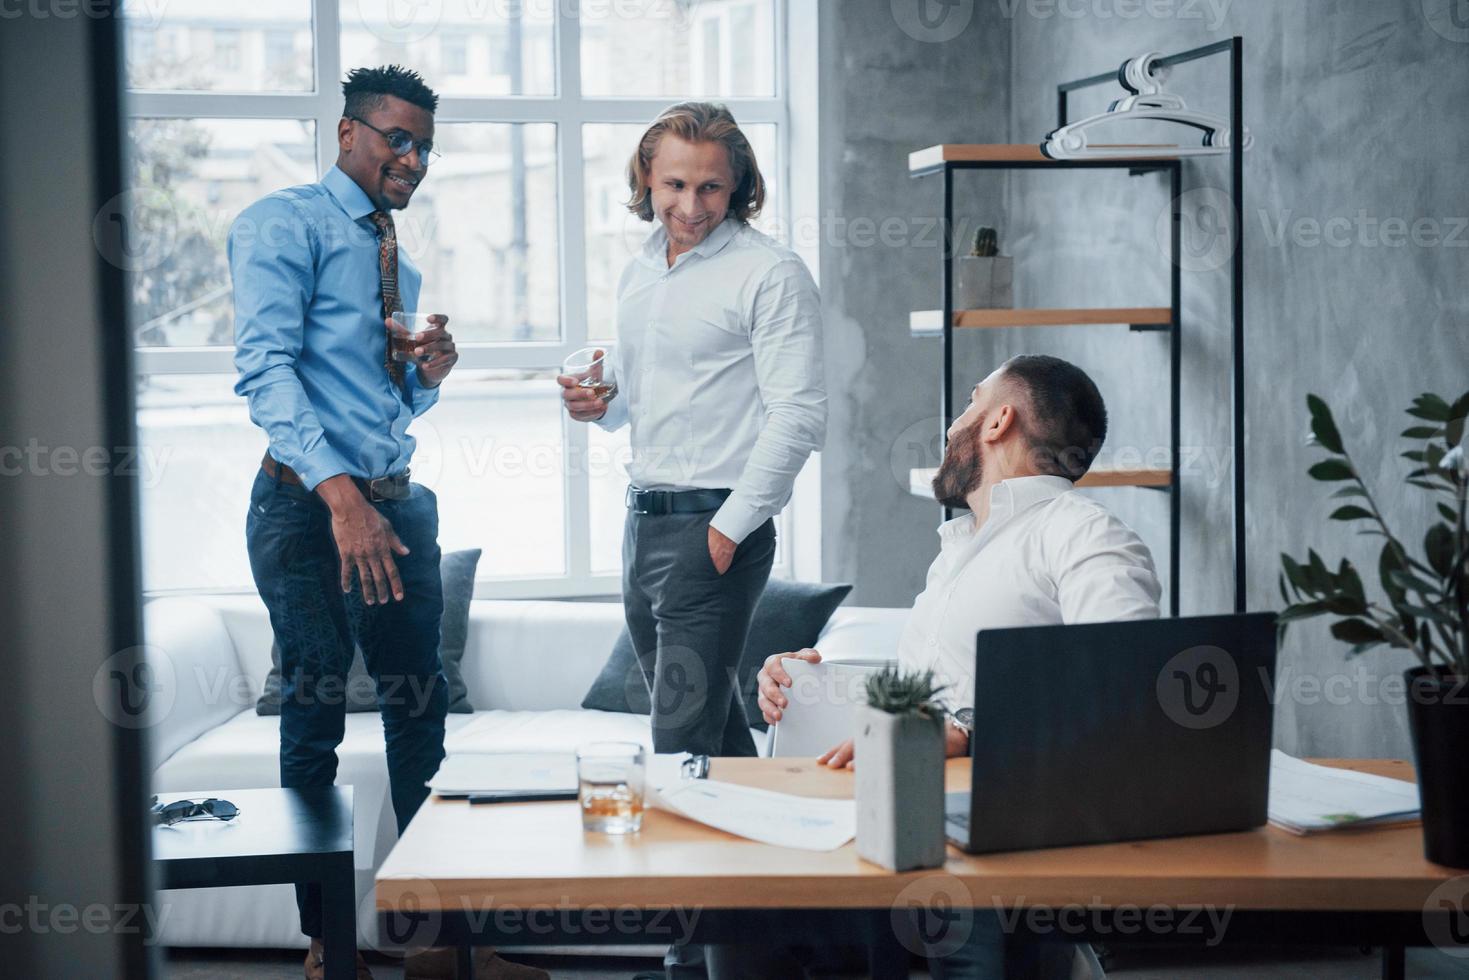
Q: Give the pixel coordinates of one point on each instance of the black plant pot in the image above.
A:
(1438, 713)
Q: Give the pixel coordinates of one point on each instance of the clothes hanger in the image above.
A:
(1144, 80)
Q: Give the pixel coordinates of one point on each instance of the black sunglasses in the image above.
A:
(168, 814)
(402, 143)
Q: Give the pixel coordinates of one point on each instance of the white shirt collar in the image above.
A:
(655, 246)
(1008, 498)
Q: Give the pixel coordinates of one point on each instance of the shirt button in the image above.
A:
(933, 641)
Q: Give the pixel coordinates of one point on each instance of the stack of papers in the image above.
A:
(1306, 798)
(474, 773)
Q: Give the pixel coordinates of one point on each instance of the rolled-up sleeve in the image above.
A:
(786, 341)
(274, 277)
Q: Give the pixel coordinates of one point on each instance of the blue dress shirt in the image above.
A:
(309, 334)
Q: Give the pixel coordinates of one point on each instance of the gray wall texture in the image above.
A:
(1356, 255)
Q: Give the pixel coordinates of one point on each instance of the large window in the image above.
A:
(519, 230)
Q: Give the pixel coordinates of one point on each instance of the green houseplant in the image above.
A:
(899, 746)
(1423, 606)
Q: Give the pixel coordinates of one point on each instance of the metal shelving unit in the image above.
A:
(946, 159)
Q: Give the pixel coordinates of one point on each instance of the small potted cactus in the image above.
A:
(900, 771)
(984, 279)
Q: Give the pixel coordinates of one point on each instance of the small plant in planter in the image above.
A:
(985, 279)
(1423, 607)
(900, 771)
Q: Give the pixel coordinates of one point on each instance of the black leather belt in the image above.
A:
(395, 487)
(674, 501)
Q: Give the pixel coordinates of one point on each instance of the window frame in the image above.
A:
(569, 110)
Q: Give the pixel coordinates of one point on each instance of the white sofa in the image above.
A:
(527, 666)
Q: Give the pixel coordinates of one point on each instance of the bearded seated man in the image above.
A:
(1031, 552)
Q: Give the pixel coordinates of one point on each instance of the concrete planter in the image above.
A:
(900, 789)
(984, 282)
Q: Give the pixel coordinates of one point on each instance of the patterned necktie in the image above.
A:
(387, 261)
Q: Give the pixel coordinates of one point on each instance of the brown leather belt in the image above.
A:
(395, 487)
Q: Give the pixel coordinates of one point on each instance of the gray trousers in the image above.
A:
(688, 625)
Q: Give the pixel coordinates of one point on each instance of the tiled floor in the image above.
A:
(1142, 964)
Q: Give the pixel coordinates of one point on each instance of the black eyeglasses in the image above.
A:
(402, 143)
(168, 814)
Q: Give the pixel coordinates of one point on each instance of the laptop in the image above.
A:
(1106, 732)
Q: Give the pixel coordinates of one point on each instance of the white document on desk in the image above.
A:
(761, 815)
(1306, 798)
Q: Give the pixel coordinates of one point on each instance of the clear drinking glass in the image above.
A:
(610, 778)
(593, 370)
(405, 325)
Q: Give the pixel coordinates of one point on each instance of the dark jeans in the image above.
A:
(294, 559)
(688, 625)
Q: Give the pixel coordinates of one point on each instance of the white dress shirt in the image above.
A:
(1047, 555)
(719, 371)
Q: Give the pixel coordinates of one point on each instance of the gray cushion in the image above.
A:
(456, 569)
(789, 616)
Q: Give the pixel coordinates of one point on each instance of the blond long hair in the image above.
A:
(698, 122)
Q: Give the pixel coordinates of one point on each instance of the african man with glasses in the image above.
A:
(343, 547)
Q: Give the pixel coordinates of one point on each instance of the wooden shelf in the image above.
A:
(934, 156)
(929, 323)
(920, 481)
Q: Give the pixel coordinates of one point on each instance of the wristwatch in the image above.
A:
(963, 719)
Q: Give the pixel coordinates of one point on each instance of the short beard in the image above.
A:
(960, 473)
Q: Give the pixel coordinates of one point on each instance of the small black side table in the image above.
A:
(282, 836)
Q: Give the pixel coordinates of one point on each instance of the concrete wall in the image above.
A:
(1356, 108)
(890, 86)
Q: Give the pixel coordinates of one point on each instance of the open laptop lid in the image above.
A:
(1118, 731)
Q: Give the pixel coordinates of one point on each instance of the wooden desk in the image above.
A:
(455, 858)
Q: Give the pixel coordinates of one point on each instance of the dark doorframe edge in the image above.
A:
(129, 745)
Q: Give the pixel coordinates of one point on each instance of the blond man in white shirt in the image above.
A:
(719, 375)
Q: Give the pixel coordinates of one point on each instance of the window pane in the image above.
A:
(197, 458)
(482, 228)
(677, 49)
(190, 179)
(614, 234)
(203, 45)
(492, 450)
(462, 47)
